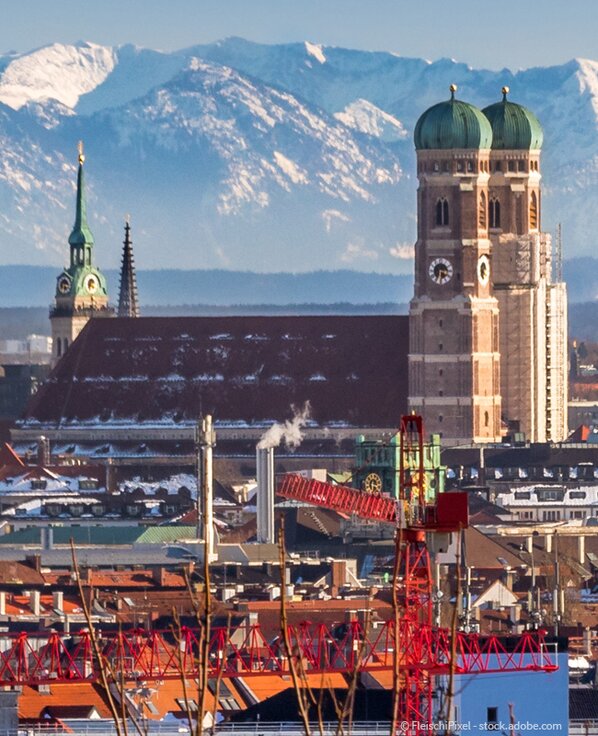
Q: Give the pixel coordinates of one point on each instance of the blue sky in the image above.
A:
(483, 33)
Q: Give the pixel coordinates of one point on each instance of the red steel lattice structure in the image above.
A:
(246, 652)
(423, 650)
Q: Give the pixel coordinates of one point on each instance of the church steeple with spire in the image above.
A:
(128, 304)
(81, 291)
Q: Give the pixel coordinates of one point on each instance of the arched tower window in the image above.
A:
(494, 212)
(486, 419)
(482, 212)
(533, 212)
(442, 212)
(58, 347)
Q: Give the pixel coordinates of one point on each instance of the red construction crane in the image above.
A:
(423, 649)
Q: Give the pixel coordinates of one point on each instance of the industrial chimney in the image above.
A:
(265, 495)
(205, 439)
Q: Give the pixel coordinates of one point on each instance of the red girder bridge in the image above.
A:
(423, 651)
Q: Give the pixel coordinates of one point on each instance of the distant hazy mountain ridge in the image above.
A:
(264, 158)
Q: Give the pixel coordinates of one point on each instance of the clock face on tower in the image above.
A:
(440, 270)
(64, 284)
(484, 270)
(372, 483)
(91, 284)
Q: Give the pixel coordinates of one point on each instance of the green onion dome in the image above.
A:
(514, 127)
(452, 124)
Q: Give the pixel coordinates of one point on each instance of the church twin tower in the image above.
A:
(487, 324)
(488, 352)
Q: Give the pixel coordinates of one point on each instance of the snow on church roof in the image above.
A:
(169, 370)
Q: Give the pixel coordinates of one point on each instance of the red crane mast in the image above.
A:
(423, 650)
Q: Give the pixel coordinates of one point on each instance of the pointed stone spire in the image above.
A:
(128, 305)
(81, 234)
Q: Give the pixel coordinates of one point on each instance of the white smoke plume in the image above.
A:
(289, 432)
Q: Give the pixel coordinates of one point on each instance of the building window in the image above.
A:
(551, 515)
(494, 213)
(486, 419)
(441, 393)
(440, 418)
(521, 166)
(511, 166)
(440, 346)
(470, 166)
(492, 718)
(497, 166)
(482, 212)
(439, 323)
(440, 372)
(442, 212)
(58, 347)
(533, 212)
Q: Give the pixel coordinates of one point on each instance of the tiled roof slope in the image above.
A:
(351, 368)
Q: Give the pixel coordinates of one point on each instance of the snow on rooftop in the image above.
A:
(172, 485)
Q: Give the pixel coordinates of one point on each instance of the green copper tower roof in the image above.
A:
(81, 234)
(81, 278)
(514, 127)
(452, 124)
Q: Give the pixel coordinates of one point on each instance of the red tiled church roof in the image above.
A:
(351, 368)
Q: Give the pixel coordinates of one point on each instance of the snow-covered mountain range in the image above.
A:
(265, 158)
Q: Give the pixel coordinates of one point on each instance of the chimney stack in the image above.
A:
(265, 495)
(206, 440)
(35, 601)
(43, 451)
(581, 548)
(58, 600)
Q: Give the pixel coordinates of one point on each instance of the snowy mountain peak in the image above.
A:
(280, 157)
(316, 51)
(57, 72)
(365, 117)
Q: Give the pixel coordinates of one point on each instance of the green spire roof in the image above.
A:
(514, 127)
(452, 124)
(81, 234)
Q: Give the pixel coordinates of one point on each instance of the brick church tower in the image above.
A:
(454, 361)
(487, 324)
(533, 309)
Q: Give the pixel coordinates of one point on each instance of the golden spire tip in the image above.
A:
(453, 89)
(81, 154)
(505, 92)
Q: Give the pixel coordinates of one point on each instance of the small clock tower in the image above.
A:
(81, 291)
(454, 360)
